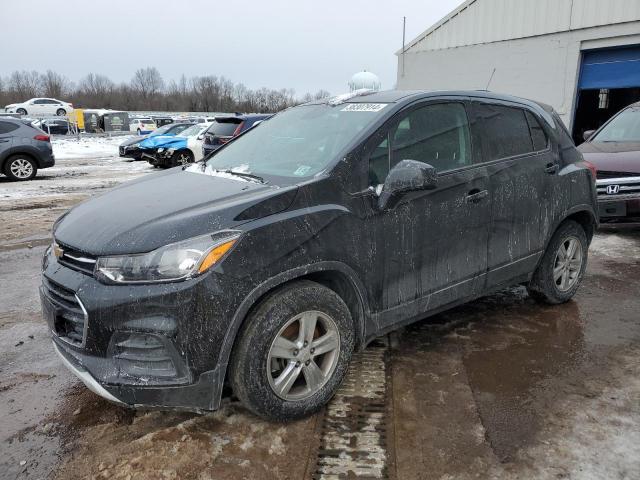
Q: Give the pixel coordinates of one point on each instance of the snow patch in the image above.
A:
(615, 246)
(86, 147)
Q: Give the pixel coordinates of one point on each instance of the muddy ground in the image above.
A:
(500, 388)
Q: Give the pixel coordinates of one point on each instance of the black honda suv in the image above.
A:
(268, 264)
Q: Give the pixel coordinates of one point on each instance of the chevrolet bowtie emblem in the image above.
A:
(57, 251)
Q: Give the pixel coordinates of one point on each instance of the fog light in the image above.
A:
(146, 357)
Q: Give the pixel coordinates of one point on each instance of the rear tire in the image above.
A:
(273, 372)
(562, 267)
(20, 168)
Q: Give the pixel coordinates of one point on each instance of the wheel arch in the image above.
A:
(11, 154)
(334, 275)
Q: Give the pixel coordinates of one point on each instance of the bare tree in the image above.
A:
(54, 85)
(96, 90)
(148, 83)
(146, 91)
(24, 84)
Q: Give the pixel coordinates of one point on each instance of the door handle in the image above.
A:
(475, 195)
(552, 168)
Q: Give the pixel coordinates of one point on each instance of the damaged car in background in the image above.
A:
(171, 151)
(267, 265)
(615, 151)
(130, 148)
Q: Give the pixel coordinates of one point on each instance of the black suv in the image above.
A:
(266, 265)
(23, 149)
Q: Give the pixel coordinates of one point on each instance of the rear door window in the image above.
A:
(505, 131)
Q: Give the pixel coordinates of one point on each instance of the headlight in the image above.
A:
(176, 261)
(160, 150)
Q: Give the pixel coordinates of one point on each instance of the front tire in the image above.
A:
(562, 267)
(183, 157)
(61, 112)
(139, 132)
(21, 111)
(293, 352)
(20, 168)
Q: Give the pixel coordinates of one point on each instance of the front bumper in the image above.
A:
(142, 345)
(619, 199)
(159, 159)
(130, 152)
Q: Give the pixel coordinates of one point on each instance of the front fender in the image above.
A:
(278, 280)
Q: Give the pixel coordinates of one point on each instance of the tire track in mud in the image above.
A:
(353, 432)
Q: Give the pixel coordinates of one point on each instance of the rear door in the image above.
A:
(430, 249)
(520, 162)
(6, 137)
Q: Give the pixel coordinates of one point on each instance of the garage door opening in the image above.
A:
(609, 81)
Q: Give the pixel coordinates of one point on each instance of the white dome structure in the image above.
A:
(364, 79)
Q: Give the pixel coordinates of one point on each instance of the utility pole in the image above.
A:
(404, 28)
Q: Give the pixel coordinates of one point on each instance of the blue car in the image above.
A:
(131, 148)
(181, 149)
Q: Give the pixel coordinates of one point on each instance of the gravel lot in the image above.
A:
(500, 388)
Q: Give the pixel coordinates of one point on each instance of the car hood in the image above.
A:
(167, 207)
(132, 141)
(613, 156)
(163, 141)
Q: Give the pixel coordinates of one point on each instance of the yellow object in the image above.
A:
(77, 117)
(214, 255)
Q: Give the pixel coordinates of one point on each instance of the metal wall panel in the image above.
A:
(485, 21)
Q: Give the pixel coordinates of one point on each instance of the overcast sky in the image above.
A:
(306, 45)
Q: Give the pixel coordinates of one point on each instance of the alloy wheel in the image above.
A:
(21, 168)
(303, 355)
(568, 264)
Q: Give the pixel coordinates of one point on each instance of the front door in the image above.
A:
(431, 247)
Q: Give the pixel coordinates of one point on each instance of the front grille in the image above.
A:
(621, 188)
(70, 316)
(77, 260)
(121, 150)
(605, 174)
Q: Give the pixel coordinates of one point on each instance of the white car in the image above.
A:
(40, 106)
(142, 126)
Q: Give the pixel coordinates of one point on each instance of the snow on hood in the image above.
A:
(209, 170)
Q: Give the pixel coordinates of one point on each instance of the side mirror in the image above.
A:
(406, 176)
(588, 134)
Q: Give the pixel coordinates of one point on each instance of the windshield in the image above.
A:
(163, 129)
(623, 128)
(191, 131)
(299, 142)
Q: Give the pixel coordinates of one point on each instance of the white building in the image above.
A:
(580, 56)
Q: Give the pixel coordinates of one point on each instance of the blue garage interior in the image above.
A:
(609, 81)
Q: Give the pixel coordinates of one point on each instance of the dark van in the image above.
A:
(334, 222)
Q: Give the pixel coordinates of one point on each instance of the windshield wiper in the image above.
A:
(244, 174)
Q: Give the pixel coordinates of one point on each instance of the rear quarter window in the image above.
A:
(8, 127)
